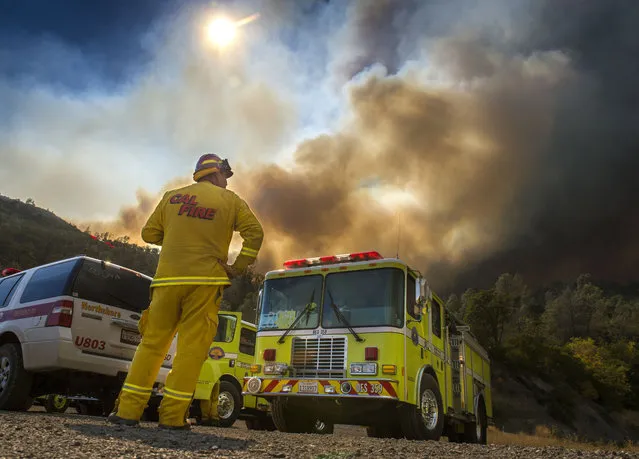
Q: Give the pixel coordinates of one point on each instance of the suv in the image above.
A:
(70, 327)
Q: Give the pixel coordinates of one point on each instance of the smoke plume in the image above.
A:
(476, 137)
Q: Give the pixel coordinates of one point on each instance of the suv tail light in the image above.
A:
(61, 314)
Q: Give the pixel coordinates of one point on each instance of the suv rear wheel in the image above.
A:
(15, 382)
(56, 403)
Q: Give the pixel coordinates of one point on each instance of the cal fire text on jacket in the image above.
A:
(189, 207)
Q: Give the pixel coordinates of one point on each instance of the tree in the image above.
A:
(610, 374)
(493, 313)
(571, 313)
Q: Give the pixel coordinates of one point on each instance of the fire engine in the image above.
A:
(360, 339)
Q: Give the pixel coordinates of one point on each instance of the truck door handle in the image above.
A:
(124, 323)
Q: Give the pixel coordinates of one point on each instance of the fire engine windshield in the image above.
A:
(370, 298)
(285, 299)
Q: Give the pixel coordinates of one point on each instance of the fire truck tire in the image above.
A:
(384, 431)
(56, 403)
(15, 381)
(323, 428)
(229, 404)
(89, 408)
(260, 423)
(476, 432)
(426, 423)
(151, 413)
(289, 420)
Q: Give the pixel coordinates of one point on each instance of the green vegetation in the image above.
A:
(574, 335)
(32, 236)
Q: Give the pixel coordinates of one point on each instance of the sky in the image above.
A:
(475, 136)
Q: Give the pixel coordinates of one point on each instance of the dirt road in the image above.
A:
(37, 434)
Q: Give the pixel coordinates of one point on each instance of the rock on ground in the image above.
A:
(35, 435)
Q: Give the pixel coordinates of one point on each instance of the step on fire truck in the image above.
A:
(361, 339)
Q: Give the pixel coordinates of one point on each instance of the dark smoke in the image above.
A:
(371, 37)
(551, 195)
(585, 194)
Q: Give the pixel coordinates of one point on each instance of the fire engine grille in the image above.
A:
(319, 357)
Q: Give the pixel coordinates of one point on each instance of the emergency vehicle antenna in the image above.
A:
(399, 229)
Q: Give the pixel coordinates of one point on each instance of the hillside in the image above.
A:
(563, 357)
(31, 236)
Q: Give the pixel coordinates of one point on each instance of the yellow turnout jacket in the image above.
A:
(194, 225)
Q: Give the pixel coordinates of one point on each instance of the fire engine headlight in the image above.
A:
(275, 368)
(364, 368)
(254, 385)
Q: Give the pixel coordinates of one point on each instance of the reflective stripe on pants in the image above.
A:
(191, 311)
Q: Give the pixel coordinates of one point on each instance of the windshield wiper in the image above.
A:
(341, 317)
(306, 311)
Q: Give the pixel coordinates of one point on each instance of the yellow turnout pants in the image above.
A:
(191, 311)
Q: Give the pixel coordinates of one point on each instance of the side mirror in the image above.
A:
(258, 306)
(424, 290)
(422, 304)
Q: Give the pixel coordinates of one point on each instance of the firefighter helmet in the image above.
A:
(210, 163)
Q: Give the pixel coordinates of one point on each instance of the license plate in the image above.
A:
(130, 337)
(307, 387)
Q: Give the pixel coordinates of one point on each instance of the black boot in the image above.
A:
(117, 420)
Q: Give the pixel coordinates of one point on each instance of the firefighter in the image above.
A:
(194, 226)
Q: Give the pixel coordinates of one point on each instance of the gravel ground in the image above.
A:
(36, 435)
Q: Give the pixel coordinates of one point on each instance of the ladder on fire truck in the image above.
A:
(457, 367)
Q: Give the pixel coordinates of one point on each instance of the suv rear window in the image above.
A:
(7, 287)
(109, 285)
(49, 282)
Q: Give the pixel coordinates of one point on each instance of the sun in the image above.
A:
(222, 32)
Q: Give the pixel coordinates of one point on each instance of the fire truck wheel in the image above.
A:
(229, 404)
(56, 403)
(15, 382)
(260, 423)
(384, 431)
(323, 428)
(476, 432)
(89, 408)
(290, 420)
(151, 413)
(267, 423)
(427, 422)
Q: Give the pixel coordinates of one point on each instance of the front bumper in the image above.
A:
(307, 387)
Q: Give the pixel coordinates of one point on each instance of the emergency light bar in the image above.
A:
(331, 259)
